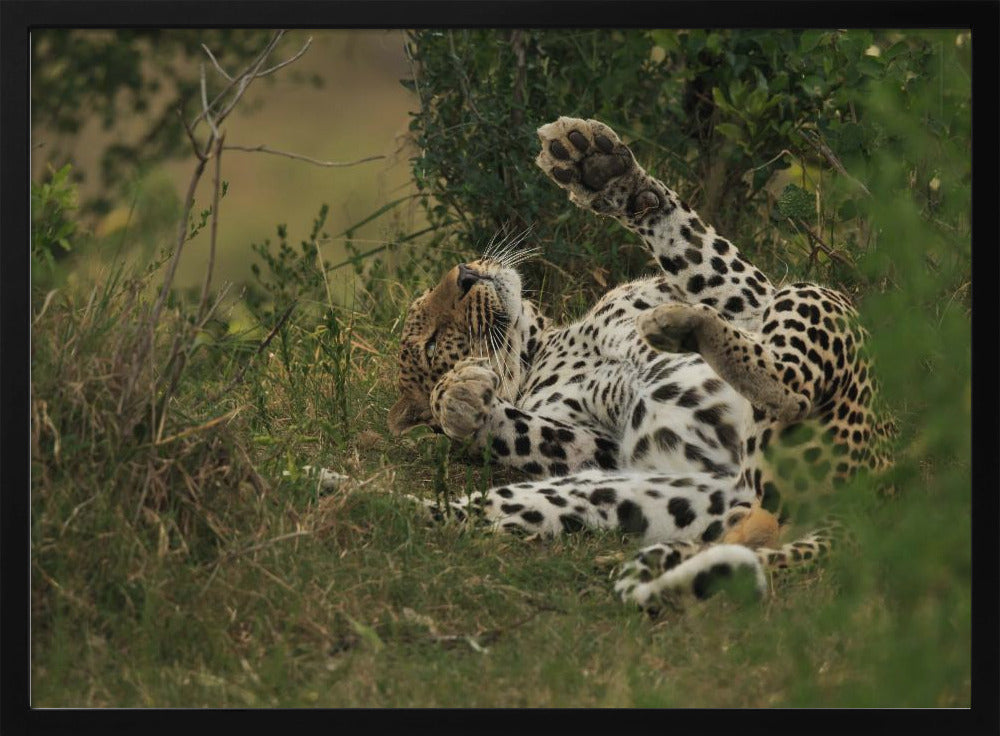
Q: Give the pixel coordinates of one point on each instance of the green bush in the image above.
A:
(770, 135)
(53, 224)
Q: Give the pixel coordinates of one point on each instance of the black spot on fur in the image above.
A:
(680, 509)
(666, 392)
(603, 495)
(705, 582)
(713, 532)
(638, 414)
(641, 448)
(571, 523)
(631, 519)
(734, 304)
(666, 439)
(689, 398)
(513, 414)
(718, 503)
(533, 517)
(712, 415)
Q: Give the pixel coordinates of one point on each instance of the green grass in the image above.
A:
(228, 584)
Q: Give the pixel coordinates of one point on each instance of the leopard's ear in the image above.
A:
(409, 412)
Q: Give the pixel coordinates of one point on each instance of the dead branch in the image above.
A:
(818, 243)
(299, 157)
(824, 150)
(285, 63)
(216, 196)
(215, 62)
(260, 348)
(190, 135)
(241, 81)
(204, 105)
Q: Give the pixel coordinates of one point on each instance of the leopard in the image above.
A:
(696, 411)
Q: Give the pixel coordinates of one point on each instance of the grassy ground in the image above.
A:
(190, 572)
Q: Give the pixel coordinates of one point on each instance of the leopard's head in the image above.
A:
(475, 310)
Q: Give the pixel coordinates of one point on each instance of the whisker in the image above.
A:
(522, 256)
(509, 256)
(491, 245)
(500, 363)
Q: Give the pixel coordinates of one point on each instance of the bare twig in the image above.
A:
(287, 61)
(821, 245)
(462, 79)
(190, 135)
(145, 342)
(265, 149)
(216, 196)
(212, 146)
(517, 112)
(241, 79)
(216, 63)
(246, 79)
(782, 152)
(223, 292)
(192, 430)
(260, 348)
(204, 106)
(824, 150)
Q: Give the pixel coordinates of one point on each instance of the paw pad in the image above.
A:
(578, 140)
(588, 159)
(558, 150)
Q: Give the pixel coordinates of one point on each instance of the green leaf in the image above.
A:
(720, 100)
(870, 66)
(796, 202)
(731, 131)
(811, 39)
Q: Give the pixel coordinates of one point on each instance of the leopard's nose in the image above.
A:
(467, 278)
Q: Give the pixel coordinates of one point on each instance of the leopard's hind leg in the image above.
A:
(668, 573)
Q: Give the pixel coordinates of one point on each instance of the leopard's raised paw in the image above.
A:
(589, 160)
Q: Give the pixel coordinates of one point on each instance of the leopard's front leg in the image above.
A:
(466, 406)
(589, 161)
(740, 358)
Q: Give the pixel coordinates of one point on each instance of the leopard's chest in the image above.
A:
(575, 378)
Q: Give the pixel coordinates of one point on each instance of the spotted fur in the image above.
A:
(691, 410)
